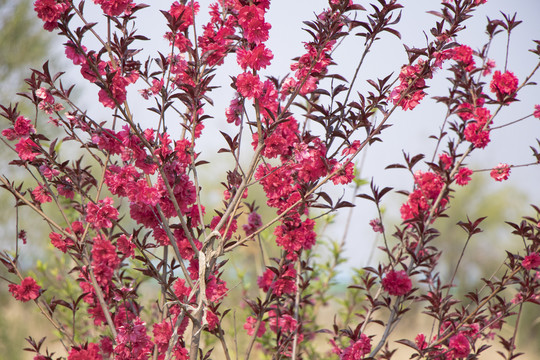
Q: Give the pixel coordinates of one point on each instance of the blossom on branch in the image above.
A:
(500, 172)
(26, 291)
(504, 85)
(397, 283)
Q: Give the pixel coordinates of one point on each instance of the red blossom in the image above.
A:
(249, 85)
(445, 160)
(500, 172)
(531, 261)
(104, 260)
(358, 349)
(185, 12)
(459, 345)
(234, 111)
(503, 85)
(283, 323)
(74, 54)
(125, 245)
(397, 283)
(420, 341)
(345, 174)
(536, 112)
(250, 324)
(26, 291)
(464, 55)
(463, 176)
(114, 7)
(60, 242)
(490, 64)
(22, 127)
(101, 214)
(116, 93)
(376, 225)
(212, 320)
(254, 223)
(257, 58)
(132, 342)
(162, 335)
(181, 290)
(429, 186)
(91, 352)
(26, 149)
(50, 11)
(41, 194)
(410, 91)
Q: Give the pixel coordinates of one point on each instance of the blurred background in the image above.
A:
(25, 44)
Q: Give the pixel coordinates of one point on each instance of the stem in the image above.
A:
(296, 309)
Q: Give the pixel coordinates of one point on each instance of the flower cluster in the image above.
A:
(428, 188)
(409, 92)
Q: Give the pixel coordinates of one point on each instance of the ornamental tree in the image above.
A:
(131, 209)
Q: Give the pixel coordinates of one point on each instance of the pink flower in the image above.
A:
(59, 242)
(500, 172)
(397, 283)
(73, 53)
(503, 84)
(420, 341)
(475, 135)
(162, 334)
(49, 173)
(249, 85)
(463, 176)
(429, 186)
(344, 175)
(250, 326)
(125, 245)
(284, 323)
(185, 12)
(28, 290)
(104, 260)
(117, 90)
(376, 225)
(536, 112)
(23, 127)
(50, 11)
(215, 289)
(358, 349)
(490, 64)
(531, 261)
(445, 160)
(459, 345)
(464, 55)
(257, 58)
(25, 148)
(234, 111)
(212, 320)
(406, 95)
(254, 223)
(181, 290)
(132, 342)
(92, 352)
(114, 7)
(41, 195)
(101, 214)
